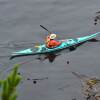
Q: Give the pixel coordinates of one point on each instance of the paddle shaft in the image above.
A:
(45, 29)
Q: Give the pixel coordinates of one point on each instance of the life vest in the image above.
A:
(52, 43)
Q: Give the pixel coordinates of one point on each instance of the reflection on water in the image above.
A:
(50, 57)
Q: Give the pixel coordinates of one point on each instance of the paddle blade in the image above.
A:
(36, 46)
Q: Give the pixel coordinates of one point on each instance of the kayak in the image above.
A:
(42, 49)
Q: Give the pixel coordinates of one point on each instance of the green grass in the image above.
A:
(8, 86)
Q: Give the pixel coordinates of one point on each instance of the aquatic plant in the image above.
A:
(90, 86)
(8, 86)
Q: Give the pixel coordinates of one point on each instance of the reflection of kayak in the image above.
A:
(42, 49)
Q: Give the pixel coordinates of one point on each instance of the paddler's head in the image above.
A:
(52, 36)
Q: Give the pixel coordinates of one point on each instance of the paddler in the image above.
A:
(51, 42)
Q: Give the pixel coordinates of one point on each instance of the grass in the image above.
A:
(8, 86)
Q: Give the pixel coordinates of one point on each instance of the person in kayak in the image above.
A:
(51, 42)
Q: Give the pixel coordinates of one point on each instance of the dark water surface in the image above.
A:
(20, 20)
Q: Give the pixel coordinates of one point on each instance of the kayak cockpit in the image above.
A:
(44, 49)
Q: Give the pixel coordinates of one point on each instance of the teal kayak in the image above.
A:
(42, 49)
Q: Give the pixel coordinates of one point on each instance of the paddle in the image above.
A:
(45, 29)
(49, 32)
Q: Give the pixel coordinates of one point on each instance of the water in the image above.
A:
(20, 20)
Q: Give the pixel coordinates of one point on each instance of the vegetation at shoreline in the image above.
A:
(8, 86)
